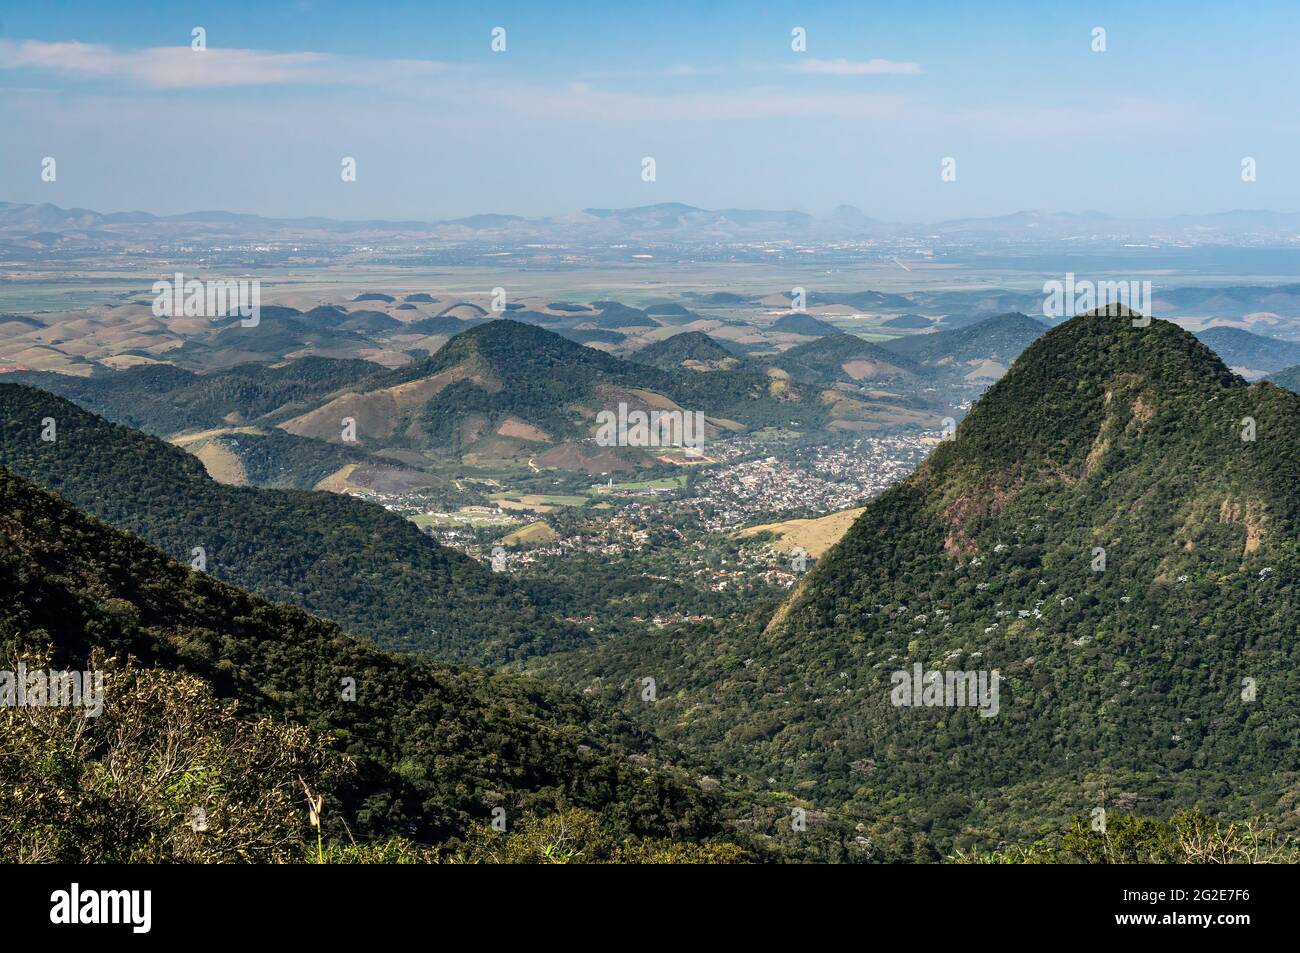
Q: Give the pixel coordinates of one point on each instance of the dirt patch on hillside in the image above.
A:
(514, 427)
(1250, 514)
(814, 536)
(222, 464)
(592, 460)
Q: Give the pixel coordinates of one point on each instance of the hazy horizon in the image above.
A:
(441, 126)
(820, 213)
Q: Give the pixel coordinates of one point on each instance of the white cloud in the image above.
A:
(583, 102)
(876, 67)
(179, 67)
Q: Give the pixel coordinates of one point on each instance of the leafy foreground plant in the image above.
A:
(576, 836)
(167, 773)
(1189, 837)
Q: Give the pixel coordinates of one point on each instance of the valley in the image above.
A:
(881, 480)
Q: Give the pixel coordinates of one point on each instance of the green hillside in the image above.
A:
(693, 346)
(431, 749)
(1255, 353)
(1161, 678)
(1289, 378)
(800, 322)
(1000, 339)
(474, 392)
(163, 399)
(824, 361)
(348, 560)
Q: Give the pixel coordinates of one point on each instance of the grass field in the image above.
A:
(463, 518)
(668, 483)
(538, 502)
(775, 435)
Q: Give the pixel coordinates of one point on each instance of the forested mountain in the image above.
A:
(1289, 378)
(349, 560)
(694, 350)
(163, 399)
(800, 322)
(1113, 530)
(844, 357)
(1253, 354)
(1001, 339)
(615, 314)
(431, 748)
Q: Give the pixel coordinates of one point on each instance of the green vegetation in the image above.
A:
(163, 399)
(1113, 530)
(670, 353)
(168, 773)
(541, 499)
(508, 369)
(800, 322)
(396, 746)
(667, 483)
(1241, 348)
(281, 332)
(279, 460)
(351, 561)
(822, 361)
(909, 322)
(576, 836)
(1189, 837)
(1289, 378)
(1001, 339)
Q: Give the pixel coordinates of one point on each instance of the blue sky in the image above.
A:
(441, 126)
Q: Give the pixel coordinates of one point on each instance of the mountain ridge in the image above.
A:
(351, 561)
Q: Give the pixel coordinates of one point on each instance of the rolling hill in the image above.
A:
(1252, 355)
(615, 315)
(693, 350)
(1289, 378)
(844, 357)
(800, 322)
(975, 353)
(504, 392)
(910, 322)
(163, 399)
(274, 339)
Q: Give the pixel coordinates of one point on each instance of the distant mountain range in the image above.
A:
(51, 223)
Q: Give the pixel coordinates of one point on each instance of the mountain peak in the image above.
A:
(694, 346)
(1056, 406)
